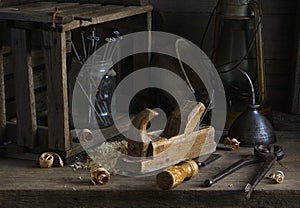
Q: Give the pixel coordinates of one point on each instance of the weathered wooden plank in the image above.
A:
(90, 9)
(31, 16)
(40, 103)
(37, 58)
(121, 2)
(57, 95)
(5, 3)
(135, 23)
(42, 137)
(39, 81)
(11, 110)
(2, 97)
(295, 75)
(77, 9)
(192, 6)
(26, 114)
(36, 5)
(51, 9)
(119, 13)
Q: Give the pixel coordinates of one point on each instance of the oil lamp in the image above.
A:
(238, 45)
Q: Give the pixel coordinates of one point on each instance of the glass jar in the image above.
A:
(105, 90)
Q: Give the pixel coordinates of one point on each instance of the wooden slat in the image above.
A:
(55, 59)
(86, 10)
(126, 2)
(190, 6)
(98, 10)
(101, 17)
(75, 9)
(37, 58)
(36, 5)
(31, 16)
(10, 110)
(42, 137)
(38, 80)
(40, 103)
(26, 114)
(2, 97)
(48, 9)
(121, 2)
(295, 92)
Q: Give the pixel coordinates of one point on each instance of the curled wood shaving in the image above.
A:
(233, 143)
(86, 135)
(99, 175)
(48, 159)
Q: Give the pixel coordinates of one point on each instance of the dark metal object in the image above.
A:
(269, 154)
(89, 19)
(235, 166)
(83, 45)
(238, 46)
(90, 102)
(252, 128)
(209, 160)
(76, 52)
(262, 153)
(92, 41)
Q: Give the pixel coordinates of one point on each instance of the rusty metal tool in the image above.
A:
(118, 39)
(76, 53)
(93, 39)
(53, 25)
(267, 154)
(209, 160)
(90, 102)
(83, 45)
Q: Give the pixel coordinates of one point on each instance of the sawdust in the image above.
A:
(105, 155)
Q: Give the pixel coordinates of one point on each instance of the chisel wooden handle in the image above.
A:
(175, 175)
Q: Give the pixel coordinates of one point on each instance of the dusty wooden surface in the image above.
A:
(22, 184)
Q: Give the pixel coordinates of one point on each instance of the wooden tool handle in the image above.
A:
(175, 175)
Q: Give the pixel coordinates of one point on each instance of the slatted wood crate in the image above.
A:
(38, 84)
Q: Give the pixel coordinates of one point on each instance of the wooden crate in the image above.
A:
(38, 84)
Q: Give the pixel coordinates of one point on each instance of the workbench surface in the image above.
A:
(23, 184)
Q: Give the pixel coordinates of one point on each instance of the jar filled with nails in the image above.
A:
(98, 84)
(104, 94)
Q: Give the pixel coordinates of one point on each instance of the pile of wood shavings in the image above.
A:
(105, 155)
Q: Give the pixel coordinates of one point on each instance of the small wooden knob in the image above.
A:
(175, 175)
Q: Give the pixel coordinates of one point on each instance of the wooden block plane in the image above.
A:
(179, 141)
